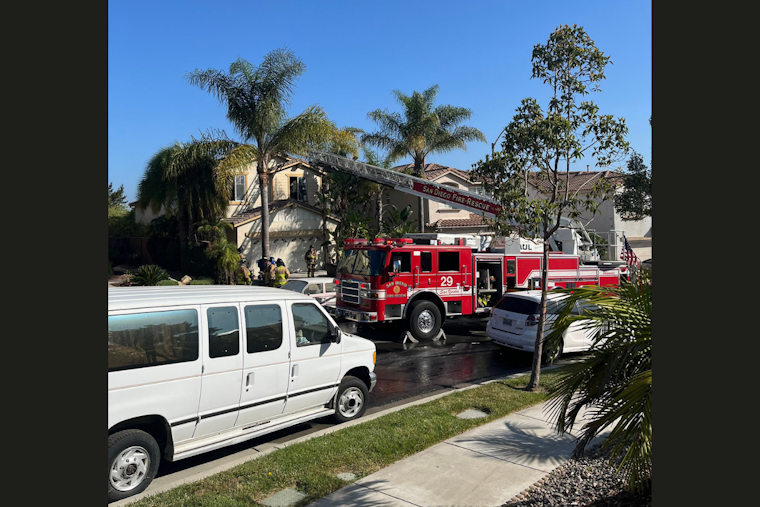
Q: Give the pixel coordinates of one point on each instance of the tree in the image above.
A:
(421, 129)
(116, 198)
(187, 180)
(397, 223)
(635, 201)
(256, 99)
(540, 147)
(615, 378)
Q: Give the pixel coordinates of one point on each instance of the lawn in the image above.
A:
(362, 449)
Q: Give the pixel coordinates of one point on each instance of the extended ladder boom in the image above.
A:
(461, 199)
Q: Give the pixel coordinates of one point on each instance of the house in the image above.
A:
(441, 217)
(607, 223)
(295, 220)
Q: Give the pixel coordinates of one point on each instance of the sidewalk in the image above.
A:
(486, 466)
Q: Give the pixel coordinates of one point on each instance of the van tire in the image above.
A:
(351, 399)
(424, 320)
(137, 454)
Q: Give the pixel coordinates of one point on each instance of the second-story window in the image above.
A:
(298, 188)
(238, 189)
(448, 206)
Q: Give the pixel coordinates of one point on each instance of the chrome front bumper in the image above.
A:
(372, 380)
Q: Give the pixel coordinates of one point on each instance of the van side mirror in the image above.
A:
(335, 334)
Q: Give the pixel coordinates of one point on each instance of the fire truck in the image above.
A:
(420, 285)
(422, 279)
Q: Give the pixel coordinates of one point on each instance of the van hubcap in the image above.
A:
(350, 402)
(129, 468)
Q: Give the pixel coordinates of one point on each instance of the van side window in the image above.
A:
(152, 339)
(223, 331)
(263, 328)
(311, 326)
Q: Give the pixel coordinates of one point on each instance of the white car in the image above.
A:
(321, 288)
(514, 321)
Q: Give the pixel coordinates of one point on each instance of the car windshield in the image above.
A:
(294, 285)
(524, 306)
(362, 262)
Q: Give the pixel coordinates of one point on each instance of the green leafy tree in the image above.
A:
(614, 380)
(635, 201)
(227, 260)
(116, 198)
(213, 230)
(188, 181)
(421, 129)
(256, 98)
(540, 146)
(397, 222)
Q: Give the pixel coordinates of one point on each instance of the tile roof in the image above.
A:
(448, 223)
(255, 213)
(433, 171)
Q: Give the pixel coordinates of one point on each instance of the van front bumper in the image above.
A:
(372, 380)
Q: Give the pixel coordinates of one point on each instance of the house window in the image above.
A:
(238, 189)
(298, 188)
(448, 206)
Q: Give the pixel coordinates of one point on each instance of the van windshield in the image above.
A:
(362, 262)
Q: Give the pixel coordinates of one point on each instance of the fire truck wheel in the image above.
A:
(424, 320)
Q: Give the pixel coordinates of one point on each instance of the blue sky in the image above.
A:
(356, 53)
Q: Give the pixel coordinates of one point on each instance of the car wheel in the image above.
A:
(551, 354)
(351, 400)
(133, 458)
(424, 320)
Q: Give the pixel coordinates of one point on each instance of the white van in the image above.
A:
(195, 368)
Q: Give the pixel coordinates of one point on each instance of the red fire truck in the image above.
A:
(396, 279)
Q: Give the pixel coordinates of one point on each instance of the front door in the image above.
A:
(222, 369)
(315, 360)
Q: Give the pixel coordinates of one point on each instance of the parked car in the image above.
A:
(514, 322)
(321, 288)
(197, 368)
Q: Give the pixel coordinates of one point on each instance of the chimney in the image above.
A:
(586, 167)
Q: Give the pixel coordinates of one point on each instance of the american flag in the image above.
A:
(627, 254)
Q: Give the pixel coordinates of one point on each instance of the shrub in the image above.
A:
(202, 281)
(149, 274)
(168, 282)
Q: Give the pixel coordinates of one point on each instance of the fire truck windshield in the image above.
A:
(362, 262)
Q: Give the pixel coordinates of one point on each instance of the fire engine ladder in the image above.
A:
(398, 180)
(405, 183)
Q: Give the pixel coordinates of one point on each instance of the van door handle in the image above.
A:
(294, 372)
(249, 379)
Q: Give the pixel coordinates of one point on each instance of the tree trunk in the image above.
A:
(420, 200)
(535, 373)
(264, 186)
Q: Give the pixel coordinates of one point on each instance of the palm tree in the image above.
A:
(256, 99)
(615, 379)
(421, 129)
(187, 180)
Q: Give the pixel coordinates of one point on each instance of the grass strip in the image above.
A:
(311, 466)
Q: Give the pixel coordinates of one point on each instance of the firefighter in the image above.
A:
(271, 272)
(281, 274)
(311, 260)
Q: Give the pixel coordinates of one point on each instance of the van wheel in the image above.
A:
(351, 400)
(424, 320)
(550, 355)
(133, 458)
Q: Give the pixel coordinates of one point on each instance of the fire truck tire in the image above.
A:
(424, 320)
